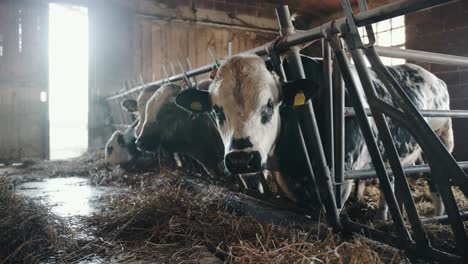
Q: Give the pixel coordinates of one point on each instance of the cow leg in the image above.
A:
(346, 189)
(445, 134)
(360, 188)
(382, 211)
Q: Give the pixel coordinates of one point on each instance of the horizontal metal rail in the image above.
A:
(349, 112)
(384, 12)
(370, 173)
(443, 219)
(422, 56)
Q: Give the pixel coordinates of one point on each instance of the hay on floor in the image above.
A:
(184, 224)
(28, 231)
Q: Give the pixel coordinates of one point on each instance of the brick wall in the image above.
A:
(445, 30)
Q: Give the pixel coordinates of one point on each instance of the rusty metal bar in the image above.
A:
(409, 170)
(349, 112)
(422, 56)
(364, 18)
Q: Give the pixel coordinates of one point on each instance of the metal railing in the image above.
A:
(326, 152)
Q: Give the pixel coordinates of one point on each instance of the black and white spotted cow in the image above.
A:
(120, 149)
(176, 130)
(257, 128)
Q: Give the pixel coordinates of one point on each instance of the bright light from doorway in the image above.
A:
(68, 80)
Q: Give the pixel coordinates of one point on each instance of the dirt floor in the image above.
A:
(82, 211)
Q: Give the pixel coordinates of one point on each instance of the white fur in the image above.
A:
(143, 98)
(120, 154)
(246, 76)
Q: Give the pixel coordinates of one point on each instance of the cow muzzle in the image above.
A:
(242, 162)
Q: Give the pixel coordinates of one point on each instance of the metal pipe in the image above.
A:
(309, 128)
(349, 112)
(445, 170)
(395, 9)
(443, 219)
(422, 56)
(409, 170)
(362, 19)
(339, 131)
(327, 131)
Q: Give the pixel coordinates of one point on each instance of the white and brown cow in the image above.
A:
(257, 128)
(138, 106)
(120, 149)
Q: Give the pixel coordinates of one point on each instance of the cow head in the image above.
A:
(245, 98)
(161, 118)
(139, 106)
(116, 150)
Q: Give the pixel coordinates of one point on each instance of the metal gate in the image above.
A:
(327, 152)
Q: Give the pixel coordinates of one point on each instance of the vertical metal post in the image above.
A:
(391, 153)
(370, 141)
(327, 115)
(339, 132)
(308, 126)
(443, 165)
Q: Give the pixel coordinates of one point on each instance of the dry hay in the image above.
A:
(441, 236)
(173, 224)
(28, 230)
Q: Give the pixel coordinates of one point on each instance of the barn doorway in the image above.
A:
(68, 80)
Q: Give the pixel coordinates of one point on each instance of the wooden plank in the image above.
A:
(24, 116)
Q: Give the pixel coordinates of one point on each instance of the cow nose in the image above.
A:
(239, 162)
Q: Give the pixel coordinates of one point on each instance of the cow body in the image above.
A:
(170, 127)
(258, 130)
(426, 91)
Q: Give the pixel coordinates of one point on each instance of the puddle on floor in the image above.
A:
(73, 199)
(68, 197)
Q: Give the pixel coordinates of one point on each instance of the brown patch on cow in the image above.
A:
(241, 71)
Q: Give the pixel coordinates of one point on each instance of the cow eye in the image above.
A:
(270, 103)
(121, 140)
(110, 150)
(267, 111)
(219, 113)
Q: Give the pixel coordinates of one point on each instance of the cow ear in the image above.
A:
(213, 73)
(130, 105)
(297, 92)
(194, 100)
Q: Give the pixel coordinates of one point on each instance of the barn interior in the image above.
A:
(66, 67)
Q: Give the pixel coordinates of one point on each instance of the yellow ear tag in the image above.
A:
(196, 106)
(299, 99)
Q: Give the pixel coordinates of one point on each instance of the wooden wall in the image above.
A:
(160, 42)
(23, 75)
(126, 46)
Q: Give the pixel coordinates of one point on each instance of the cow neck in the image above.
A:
(197, 137)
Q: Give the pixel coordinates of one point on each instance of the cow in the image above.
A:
(120, 149)
(257, 127)
(138, 106)
(168, 126)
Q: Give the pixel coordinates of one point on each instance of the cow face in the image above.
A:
(116, 150)
(139, 106)
(245, 98)
(160, 118)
